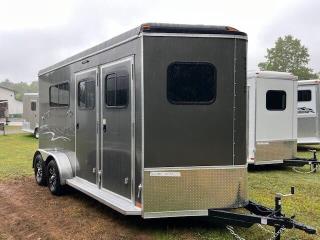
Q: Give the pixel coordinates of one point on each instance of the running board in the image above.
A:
(112, 200)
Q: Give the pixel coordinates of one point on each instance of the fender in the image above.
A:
(62, 160)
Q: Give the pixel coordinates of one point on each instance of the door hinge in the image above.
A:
(132, 69)
(97, 127)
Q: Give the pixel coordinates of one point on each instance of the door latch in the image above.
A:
(99, 176)
(104, 123)
(139, 190)
(126, 180)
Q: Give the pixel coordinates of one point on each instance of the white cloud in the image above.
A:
(37, 33)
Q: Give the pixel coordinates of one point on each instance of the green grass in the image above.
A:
(16, 152)
(12, 129)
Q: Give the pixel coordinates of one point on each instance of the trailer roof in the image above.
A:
(308, 82)
(31, 94)
(271, 74)
(7, 88)
(146, 28)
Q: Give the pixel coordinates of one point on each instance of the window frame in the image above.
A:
(57, 85)
(285, 105)
(215, 84)
(95, 99)
(33, 103)
(306, 90)
(106, 90)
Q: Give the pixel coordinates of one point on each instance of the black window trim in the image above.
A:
(308, 90)
(198, 102)
(35, 102)
(277, 110)
(86, 108)
(105, 92)
(57, 84)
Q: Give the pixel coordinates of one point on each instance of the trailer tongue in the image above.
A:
(259, 214)
(300, 162)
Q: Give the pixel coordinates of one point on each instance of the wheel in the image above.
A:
(54, 178)
(36, 133)
(39, 170)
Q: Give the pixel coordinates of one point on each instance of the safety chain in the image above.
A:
(265, 229)
(236, 236)
(311, 171)
(233, 233)
(277, 233)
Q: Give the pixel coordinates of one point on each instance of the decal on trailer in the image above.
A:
(165, 174)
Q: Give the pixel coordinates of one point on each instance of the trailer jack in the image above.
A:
(261, 215)
(300, 162)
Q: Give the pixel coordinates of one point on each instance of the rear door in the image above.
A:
(86, 123)
(117, 109)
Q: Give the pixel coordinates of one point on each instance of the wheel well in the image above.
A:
(34, 158)
(48, 159)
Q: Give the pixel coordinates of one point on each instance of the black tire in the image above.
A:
(40, 170)
(36, 133)
(54, 178)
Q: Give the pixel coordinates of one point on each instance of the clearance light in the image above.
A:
(231, 29)
(146, 27)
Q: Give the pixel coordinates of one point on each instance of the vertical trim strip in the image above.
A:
(234, 100)
(142, 122)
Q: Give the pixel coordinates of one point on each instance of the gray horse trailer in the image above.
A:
(30, 114)
(308, 112)
(150, 123)
(272, 117)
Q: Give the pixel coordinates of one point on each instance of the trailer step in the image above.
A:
(112, 200)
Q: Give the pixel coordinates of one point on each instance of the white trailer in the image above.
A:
(272, 117)
(308, 112)
(31, 114)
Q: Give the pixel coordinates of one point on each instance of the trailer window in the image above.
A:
(191, 83)
(117, 89)
(33, 106)
(276, 100)
(86, 94)
(304, 95)
(59, 95)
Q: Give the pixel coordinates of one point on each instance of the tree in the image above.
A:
(288, 55)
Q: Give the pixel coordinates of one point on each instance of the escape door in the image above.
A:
(86, 123)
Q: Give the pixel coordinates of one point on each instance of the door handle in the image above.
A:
(104, 123)
(77, 125)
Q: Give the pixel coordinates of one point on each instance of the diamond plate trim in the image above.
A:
(195, 189)
(275, 150)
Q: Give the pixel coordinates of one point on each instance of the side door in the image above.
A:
(275, 101)
(33, 114)
(307, 111)
(117, 136)
(86, 124)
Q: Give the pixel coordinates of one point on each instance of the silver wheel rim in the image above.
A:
(39, 171)
(52, 179)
